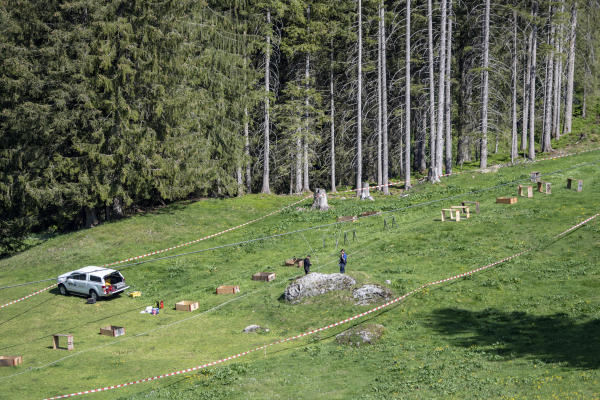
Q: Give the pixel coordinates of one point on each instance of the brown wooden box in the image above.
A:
(55, 341)
(112, 330)
(263, 276)
(352, 218)
(506, 200)
(525, 191)
(290, 262)
(10, 361)
(545, 187)
(579, 183)
(369, 213)
(186, 305)
(228, 289)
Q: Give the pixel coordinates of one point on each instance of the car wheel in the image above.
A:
(94, 295)
(63, 290)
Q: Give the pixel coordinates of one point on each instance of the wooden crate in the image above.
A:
(506, 200)
(263, 276)
(579, 183)
(186, 305)
(454, 214)
(112, 330)
(10, 361)
(55, 341)
(352, 218)
(525, 188)
(290, 262)
(228, 289)
(369, 213)
(545, 187)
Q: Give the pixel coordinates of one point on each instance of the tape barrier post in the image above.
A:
(304, 334)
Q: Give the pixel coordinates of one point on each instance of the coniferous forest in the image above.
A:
(106, 106)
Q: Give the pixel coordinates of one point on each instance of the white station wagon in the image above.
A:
(94, 282)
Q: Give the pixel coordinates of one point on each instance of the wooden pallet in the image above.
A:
(506, 200)
(228, 289)
(263, 276)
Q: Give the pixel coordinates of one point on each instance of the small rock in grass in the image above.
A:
(359, 335)
(255, 328)
(388, 282)
(369, 294)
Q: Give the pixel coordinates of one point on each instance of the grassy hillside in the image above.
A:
(526, 329)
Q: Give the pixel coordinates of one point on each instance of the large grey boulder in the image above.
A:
(359, 335)
(369, 294)
(316, 284)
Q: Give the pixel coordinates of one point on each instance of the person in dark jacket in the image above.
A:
(307, 265)
(343, 260)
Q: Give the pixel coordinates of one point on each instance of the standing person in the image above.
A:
(343, 260)
(307, 265)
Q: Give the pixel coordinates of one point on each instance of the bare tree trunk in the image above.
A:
(513, 142)
(441, 87)
(247, 152)
(532, 83)
(332, 120)
(265, 186)
(379, 100)
(558, 79)
(526, 92)
(433, 167)
(447, 109)
(298, 163)
(570, 72)
(359, 106)
(484, 105)
(547, 147)
(384, 121)
(407, 183)
(306, 187)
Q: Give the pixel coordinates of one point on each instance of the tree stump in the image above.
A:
(364, 193)
(320, 200)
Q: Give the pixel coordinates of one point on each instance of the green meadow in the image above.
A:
(525, 329)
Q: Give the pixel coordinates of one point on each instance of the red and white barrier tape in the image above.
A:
(28, 296)
(389, 303)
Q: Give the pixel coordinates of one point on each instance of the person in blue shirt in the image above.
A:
(343, 260)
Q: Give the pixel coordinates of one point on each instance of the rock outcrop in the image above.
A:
(359, 335)
(369, 294)
(316, 284)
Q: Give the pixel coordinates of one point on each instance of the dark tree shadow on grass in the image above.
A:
(549, 338)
